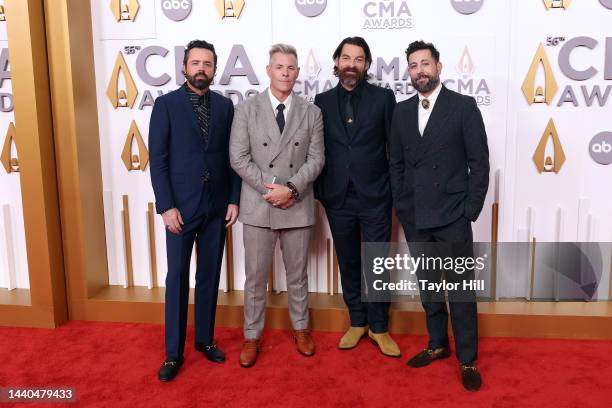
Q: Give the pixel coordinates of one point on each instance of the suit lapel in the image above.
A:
(294, 119)
(266, 117)
(212, 109)
(185, 105)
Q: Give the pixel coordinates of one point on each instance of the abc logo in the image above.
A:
(311, 8)
(467, 6)
(600, 148)
(606, 3)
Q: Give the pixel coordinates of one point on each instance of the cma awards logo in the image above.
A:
(2, 14)
(311, 8)
(600, 148)
(124, 10)
(540, 85)
(122, 91)
(467, 84)
(8, 157)
(229, 8)
(135, 155)
(549, 155)
(309, 87)
(387, 14)
(556, 4)
(467, 6)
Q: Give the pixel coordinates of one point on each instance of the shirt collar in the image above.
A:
(193, 95)
(434, 95)
(356, 92)
(275, 102)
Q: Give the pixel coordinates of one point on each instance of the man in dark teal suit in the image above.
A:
(197, 194)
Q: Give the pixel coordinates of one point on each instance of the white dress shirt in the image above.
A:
(424, 114)
(275, 102)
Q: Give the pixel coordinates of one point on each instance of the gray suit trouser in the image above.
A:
(259, 244)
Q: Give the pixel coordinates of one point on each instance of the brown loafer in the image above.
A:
(427, 356)
(305, 345)
(249, 353)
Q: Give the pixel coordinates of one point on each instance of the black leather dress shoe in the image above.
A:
(470, 377)
(428, 355)
(169, 369)
(212, 352)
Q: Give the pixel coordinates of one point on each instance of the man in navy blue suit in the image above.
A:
(354, 185)
(197, 194)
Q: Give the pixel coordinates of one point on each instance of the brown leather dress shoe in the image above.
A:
(427, 356)
(305, 345)
(250, 350)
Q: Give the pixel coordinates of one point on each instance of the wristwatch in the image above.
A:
(295, 194)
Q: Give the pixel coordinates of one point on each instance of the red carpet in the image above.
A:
(115, 365)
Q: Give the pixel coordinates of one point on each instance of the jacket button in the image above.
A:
(271, 165)
(437, 184)
(265, 144)
(435, 166)
(291, 166)
(297, 143)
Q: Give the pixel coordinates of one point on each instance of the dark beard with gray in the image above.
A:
(428, 86)
(199, 81)
(350, 76)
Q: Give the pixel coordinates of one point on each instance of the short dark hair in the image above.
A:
(422, 45)
(359, 42)
(199, 44)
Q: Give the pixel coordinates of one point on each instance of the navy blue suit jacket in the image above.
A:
(181, 164)
(361, 158)
(444, 174)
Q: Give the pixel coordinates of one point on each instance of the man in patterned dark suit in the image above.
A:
(439, 177)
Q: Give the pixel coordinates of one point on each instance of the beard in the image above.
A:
(199, 80)
(430, 85)
(350, 76)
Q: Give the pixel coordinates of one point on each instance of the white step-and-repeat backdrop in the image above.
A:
(540, 70)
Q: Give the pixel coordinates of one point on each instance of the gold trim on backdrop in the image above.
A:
(494, 238)
(132, 160)
(75, 117)
(127, 239)
(38, 178)
(10, 164)
(229, 258)
(152, 249)
(328, 264)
